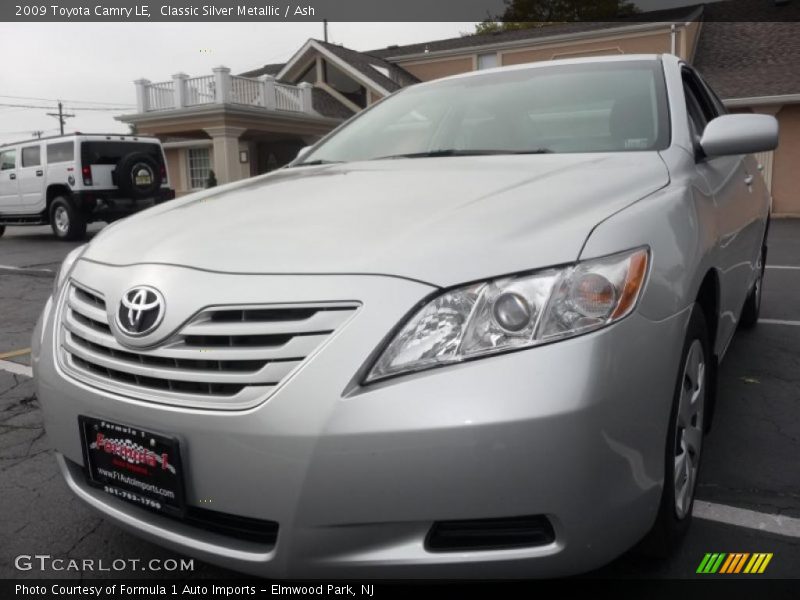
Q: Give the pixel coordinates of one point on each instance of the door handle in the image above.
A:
(748, 180)
(39, 172)
(12, 176)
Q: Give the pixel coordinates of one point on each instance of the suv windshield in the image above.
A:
(592, 107)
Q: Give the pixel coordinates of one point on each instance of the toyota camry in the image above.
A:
(474, 332)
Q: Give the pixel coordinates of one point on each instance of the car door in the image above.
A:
(31, 178)
(736, 211)
(9, 184)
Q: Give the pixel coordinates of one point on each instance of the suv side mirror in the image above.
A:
(739, 134)
(302, 152)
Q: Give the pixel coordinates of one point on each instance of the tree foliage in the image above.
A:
(526, 14)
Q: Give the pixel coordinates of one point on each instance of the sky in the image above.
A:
(96, 63)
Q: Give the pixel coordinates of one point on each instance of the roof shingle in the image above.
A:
(745, 60)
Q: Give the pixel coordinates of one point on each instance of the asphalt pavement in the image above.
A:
(748, 492)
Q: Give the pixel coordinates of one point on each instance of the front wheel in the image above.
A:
(2, 230)
(65, 220)
(684, 442)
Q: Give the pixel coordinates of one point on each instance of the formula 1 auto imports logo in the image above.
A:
(132, 452)
(734, 563)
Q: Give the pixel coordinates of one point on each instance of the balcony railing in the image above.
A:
(223, 88)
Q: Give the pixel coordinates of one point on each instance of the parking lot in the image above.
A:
(748, 492)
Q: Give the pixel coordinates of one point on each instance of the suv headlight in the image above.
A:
(515, 312)
(66, 267)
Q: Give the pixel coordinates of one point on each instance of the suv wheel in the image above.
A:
(684, 442)
(67, 223)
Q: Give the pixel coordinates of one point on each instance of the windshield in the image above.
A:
(592, 107)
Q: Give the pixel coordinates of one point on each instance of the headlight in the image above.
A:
(516, 312)
(66, 267)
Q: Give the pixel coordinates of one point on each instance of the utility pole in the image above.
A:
(61, 116)
(37, 133)
(325, 29)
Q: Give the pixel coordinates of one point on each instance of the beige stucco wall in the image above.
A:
(173, 167)
(434, 69)
(786, 165)
(687, 40)
(644, 44)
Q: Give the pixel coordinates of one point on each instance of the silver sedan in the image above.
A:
(472, 333)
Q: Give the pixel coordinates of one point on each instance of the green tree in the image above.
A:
(526, 14)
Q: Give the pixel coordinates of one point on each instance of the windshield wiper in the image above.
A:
(454, 152)
(320, 161)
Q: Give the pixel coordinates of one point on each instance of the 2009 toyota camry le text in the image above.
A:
(474, 332)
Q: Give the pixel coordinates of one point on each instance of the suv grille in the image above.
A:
(224, 358)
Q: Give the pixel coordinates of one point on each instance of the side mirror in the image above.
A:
(739, 134)
(302, 152)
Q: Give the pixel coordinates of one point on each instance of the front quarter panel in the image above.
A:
(677, 223)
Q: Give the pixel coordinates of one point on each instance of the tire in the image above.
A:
(2, 230)
(684, 441)
(752, 306)
(67, 222)
(138, 175)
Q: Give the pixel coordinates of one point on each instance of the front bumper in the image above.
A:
(355, 477)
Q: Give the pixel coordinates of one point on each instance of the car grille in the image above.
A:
(222, 358)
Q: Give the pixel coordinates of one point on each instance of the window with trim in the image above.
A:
(31, 156)
(8, 160)
(344, 84)
(199, 167)
(60, 152)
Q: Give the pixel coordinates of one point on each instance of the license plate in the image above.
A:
(134, 464)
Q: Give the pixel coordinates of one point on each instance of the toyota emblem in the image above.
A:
(140, 310)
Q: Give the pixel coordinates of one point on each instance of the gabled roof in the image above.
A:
(381, 75)
(388, 75)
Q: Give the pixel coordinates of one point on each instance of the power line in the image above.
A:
(80, 108)
(64, 100)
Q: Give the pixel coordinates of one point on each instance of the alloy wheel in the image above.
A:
(61, 218)
(689, 428)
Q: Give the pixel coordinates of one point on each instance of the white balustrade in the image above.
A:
(222, 88)
(200, 90)
(161, 96)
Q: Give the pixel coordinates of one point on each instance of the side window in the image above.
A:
(31, 156)
(8, 160)
(699, 106)
(60, 152)
(697, 122)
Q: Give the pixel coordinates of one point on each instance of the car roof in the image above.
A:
(121, 137)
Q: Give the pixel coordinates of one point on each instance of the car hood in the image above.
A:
(443, 221)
